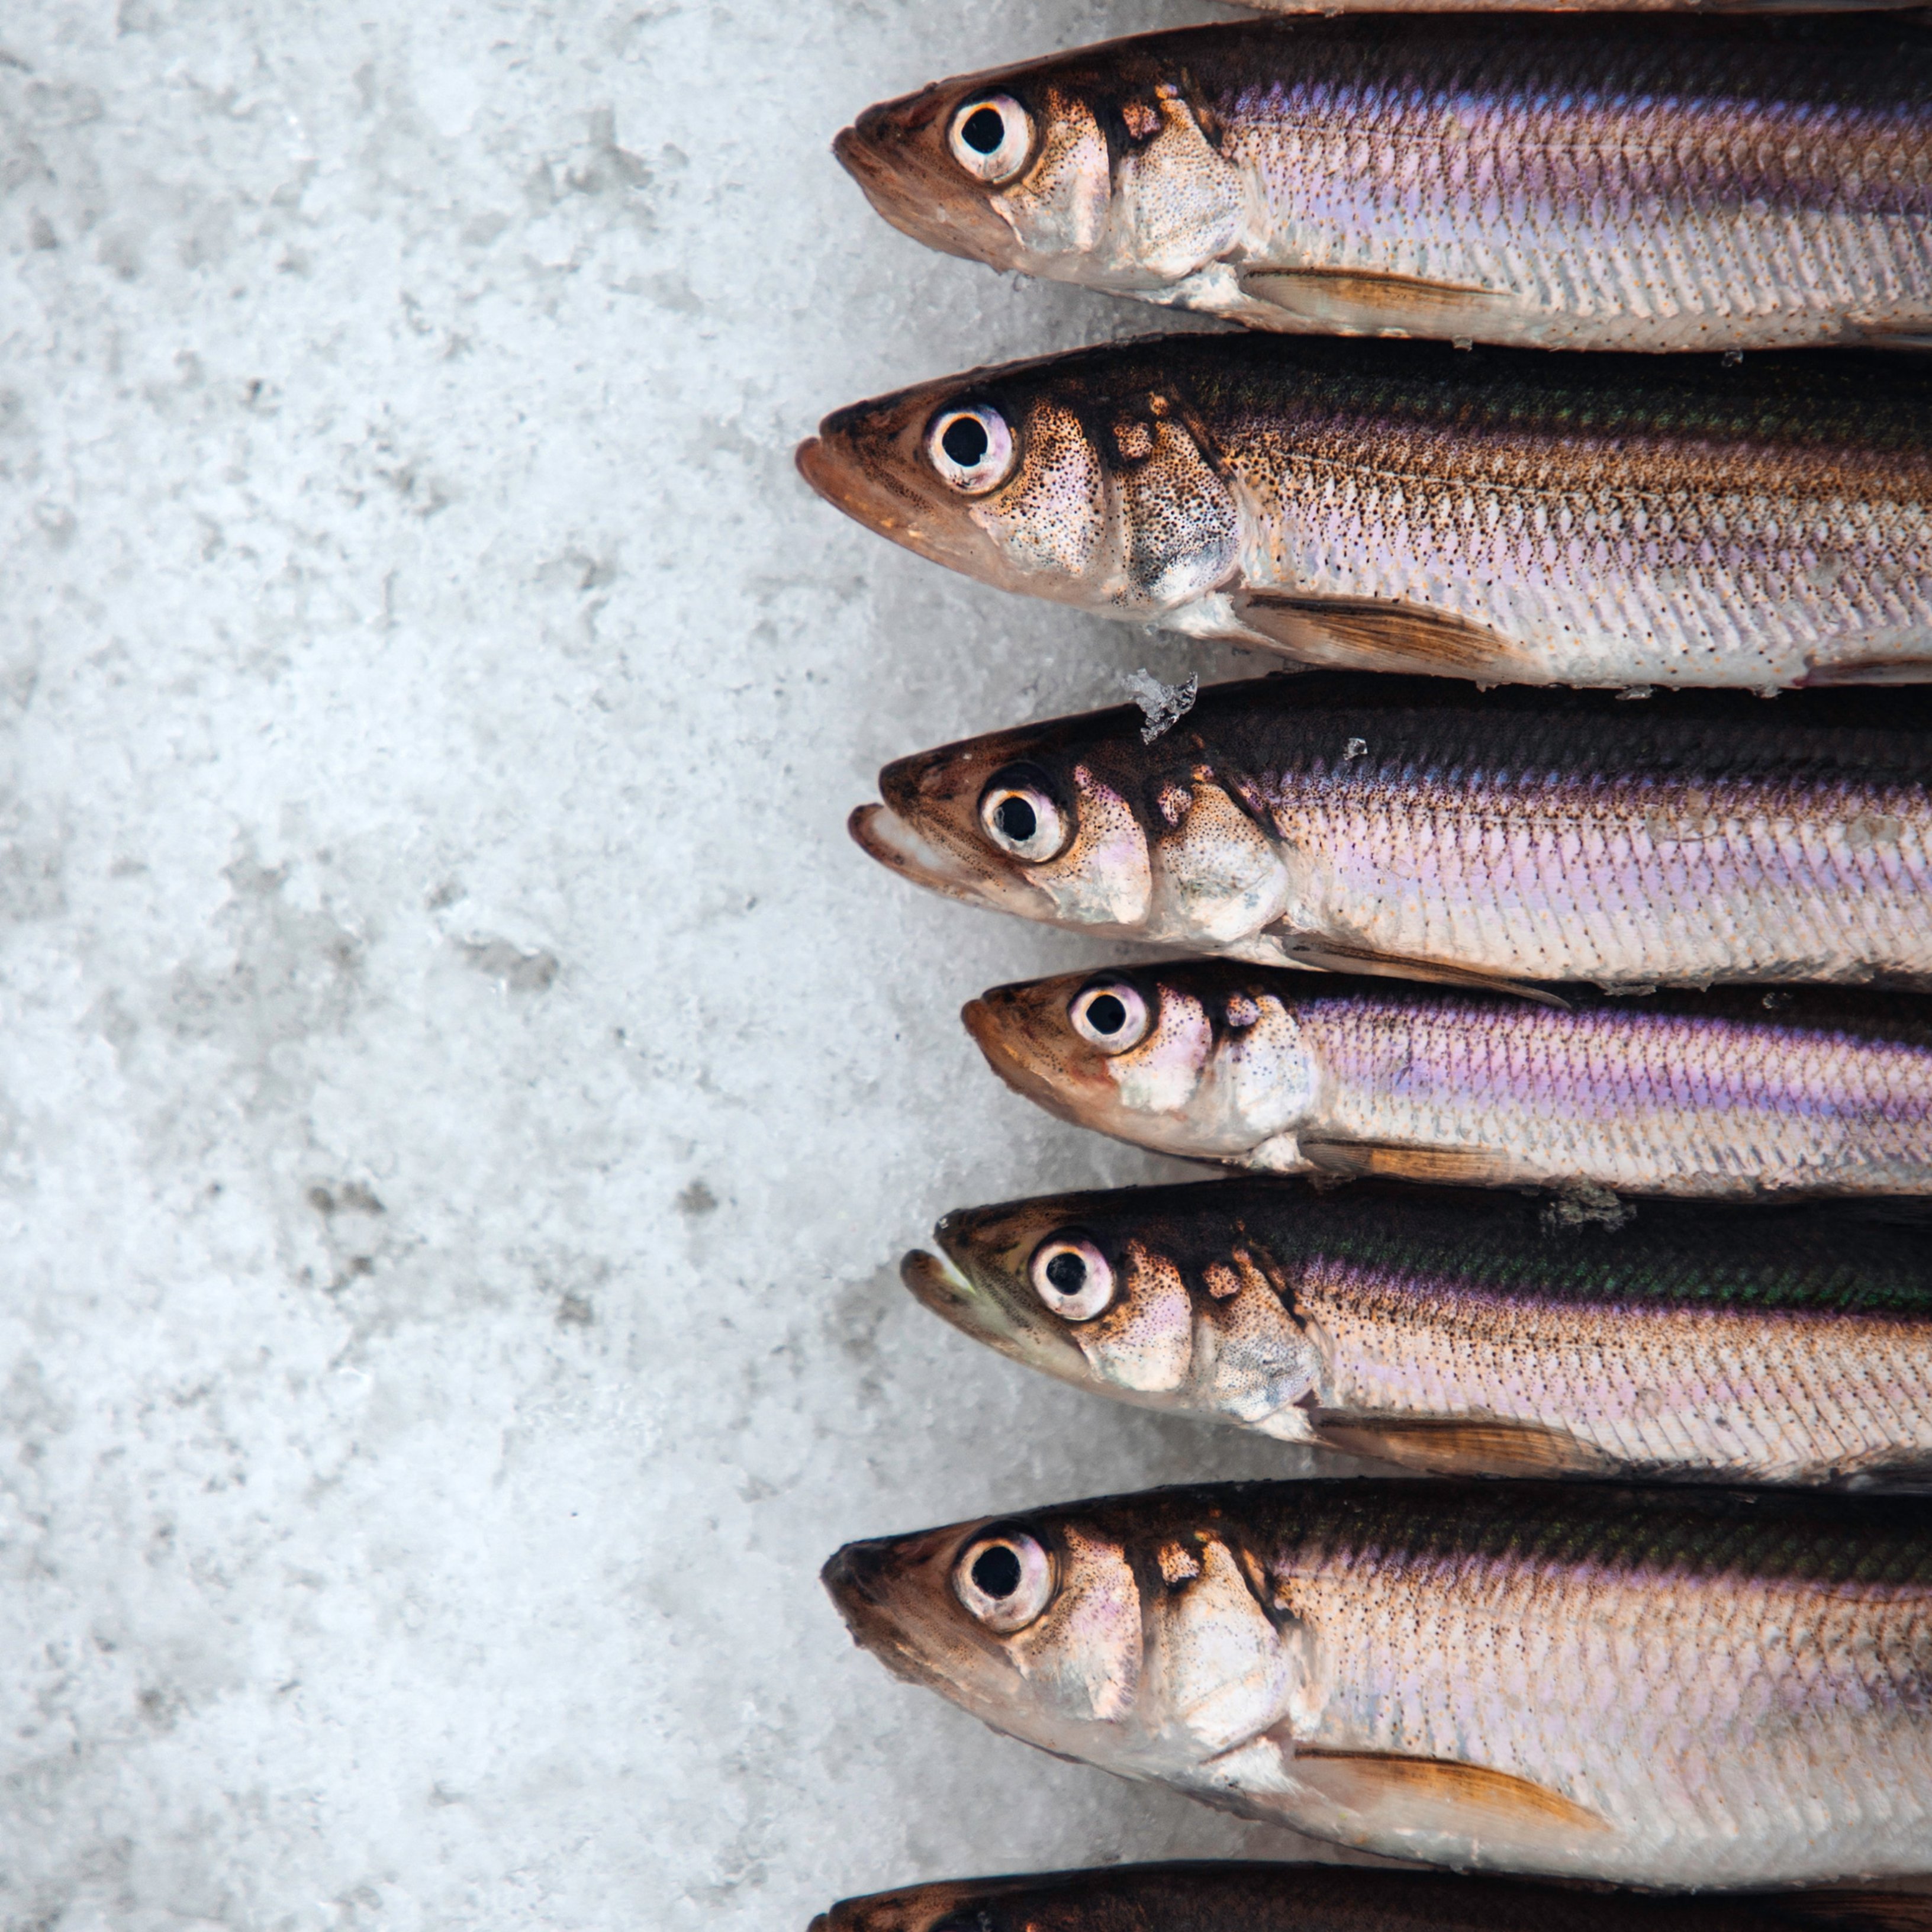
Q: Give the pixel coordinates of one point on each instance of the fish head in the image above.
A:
(1079, 822)
(1137, 1632)
(1022, 822)
(1170, 1309)
(1087, 479)
(1201, 1059)
(1104, 166)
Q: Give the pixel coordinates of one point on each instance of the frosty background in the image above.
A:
(464, 1097)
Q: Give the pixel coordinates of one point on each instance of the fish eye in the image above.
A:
(1110, 1015)
(992, 140)
(1022, 817)
(1004, 1581)
(971, 448)
(1072, 1276)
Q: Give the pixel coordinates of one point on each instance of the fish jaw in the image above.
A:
(979, 1304)
(1066, 1680)
(897, 153)
(903, 846)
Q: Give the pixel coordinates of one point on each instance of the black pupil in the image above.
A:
(997, 1571)
(1107, 1014)
(1067, 1273)
(984, 130)
(965, 441)
(1016, 820)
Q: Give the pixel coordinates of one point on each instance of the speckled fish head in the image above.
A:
(1083, 478)
(1103, 166)
(1078, 823)
(1196, 1058)
(1132, 1633)
(1171, 1311)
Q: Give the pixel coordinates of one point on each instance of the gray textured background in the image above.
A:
(463, 1098)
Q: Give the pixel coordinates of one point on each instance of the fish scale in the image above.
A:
(1282, 1074)
(1585, 183)
(1663, 1688)
(1483, 1333)
(1505, 517)
(1537, 837)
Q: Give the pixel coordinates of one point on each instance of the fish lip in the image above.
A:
(851, 1575)
(900, 845)
(924, 214)
(912, 184)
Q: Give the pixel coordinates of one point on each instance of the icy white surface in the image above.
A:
(464, 1097)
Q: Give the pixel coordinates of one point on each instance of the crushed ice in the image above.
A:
(1163, 704)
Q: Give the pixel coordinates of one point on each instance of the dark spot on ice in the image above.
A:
(513, 969)
(575, 1311)
(697, 1199)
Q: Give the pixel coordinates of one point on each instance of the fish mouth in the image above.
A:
(962, 1295)
(866, 461)
(895, 152)
(902, 845)
(1006, 1030)
(865, 1578)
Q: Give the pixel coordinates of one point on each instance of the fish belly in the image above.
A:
(1722, 1730)
(1588, 586)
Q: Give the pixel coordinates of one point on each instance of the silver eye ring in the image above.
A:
(971, 448)
(991, 138)
(1004, 1581)
(1071, 1277)
(1023, 818)
(1110, 1016)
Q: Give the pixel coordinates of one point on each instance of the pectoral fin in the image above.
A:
(1329, 956)
(1400, 1797)
(1340, 301)
(1461, 1445)
(1453, 1167)
(1353, 633)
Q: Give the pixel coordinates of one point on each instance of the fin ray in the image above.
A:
(1358, 634)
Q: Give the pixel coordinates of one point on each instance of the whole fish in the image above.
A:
(1470, 1333)
(1227, 1896)
(1503, 516)
(1579, 183)
(1669, 1688)
(1420, 829)
(1743, 1096)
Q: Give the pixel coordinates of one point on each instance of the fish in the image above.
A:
(1417, 829)
(1584, 182)
(1721, 1095)
(1230, 1895)
(1464, 1332)
(1500, 516)
(1676, 1687)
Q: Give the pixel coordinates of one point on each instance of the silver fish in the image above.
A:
(1229, 1896)
(1822, 1093)
(1413, 828)
(1505, 516)
(1666, 1687)
(1473, 1334)
(1580, 183)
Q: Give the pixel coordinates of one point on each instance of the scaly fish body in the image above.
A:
(1712, 1096)
(1228, 1896)
(1366, 823)
(1472, 1333)
(1586, 183)
(1507, 518)
(1666, 1687)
